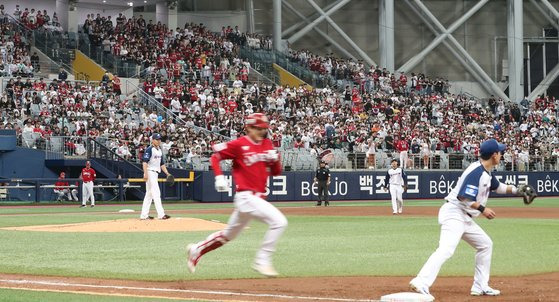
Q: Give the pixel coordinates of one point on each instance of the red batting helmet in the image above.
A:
(257, 120)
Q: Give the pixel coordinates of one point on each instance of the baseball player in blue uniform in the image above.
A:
(464, 203)
(396, 180)
(153, 163)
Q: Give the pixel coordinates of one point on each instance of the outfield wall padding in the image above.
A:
(368, 185)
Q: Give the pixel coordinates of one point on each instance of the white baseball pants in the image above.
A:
(87, 193)
(403, 159)
(152, 194)
(396, 192)
(452, 230)
(249, 206)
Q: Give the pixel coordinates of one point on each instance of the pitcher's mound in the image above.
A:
(180, 224)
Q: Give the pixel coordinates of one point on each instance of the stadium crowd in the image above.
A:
(199, 77)
(15, 59)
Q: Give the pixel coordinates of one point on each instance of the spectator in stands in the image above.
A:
(62, 74)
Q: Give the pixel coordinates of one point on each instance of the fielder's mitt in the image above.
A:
(528, 193)
(170, 179)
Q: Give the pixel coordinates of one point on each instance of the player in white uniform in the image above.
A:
(153, 163)
(254, 159)
(466, 201)
(396, 179)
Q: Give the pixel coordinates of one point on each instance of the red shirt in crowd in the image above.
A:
(402, 145)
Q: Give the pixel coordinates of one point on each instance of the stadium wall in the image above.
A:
(24, 163)
(368, 185)
(287, 78)
(86, 69)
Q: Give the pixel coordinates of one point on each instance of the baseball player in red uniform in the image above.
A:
(62, 188)
(88, 176)
(254, 159)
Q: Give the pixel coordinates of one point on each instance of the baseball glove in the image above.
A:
(170, 179)
(528, 193)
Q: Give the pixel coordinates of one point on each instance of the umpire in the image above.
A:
(322, 177)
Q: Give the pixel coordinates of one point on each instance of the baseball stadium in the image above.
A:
(279, 150)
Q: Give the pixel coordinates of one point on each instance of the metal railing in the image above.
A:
(66, 147)
(151, 103)
(262, 60)
(304, 160)
(44, 189)
(75, 147)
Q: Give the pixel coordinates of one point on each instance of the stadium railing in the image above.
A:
(151, 103)
(262, 60)
(80, 147)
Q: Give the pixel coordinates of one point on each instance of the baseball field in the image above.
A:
(350, 251)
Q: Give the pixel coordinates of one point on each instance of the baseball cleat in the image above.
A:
(419, 288)
(191, 261)
(486, 292)
(165, 217)
(93, 206)
(82, 206)
(266, 270)
(147, 218)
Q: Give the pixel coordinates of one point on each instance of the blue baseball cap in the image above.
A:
(491, 146)
(156, 136)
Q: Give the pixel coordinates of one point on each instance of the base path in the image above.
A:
(502, 212)
(541, 287)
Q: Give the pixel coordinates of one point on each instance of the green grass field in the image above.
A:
(369, 246)
(12, 295)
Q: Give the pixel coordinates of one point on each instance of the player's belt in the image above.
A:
(465, 212)
(259, 194)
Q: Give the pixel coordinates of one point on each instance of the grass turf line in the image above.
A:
(311, 246)
(17, 295)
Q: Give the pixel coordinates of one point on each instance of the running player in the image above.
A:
(254, 159)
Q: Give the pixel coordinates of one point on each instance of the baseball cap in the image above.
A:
(491, 146)
(257, 120)
(156, 136)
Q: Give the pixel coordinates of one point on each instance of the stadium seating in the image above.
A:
(207, 88)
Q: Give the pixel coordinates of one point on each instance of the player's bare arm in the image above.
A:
(145, 168)
(487, 212)
(164, 169)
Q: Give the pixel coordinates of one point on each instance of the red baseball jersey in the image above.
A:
(60, 183)
(252, 162)
(88, 174)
